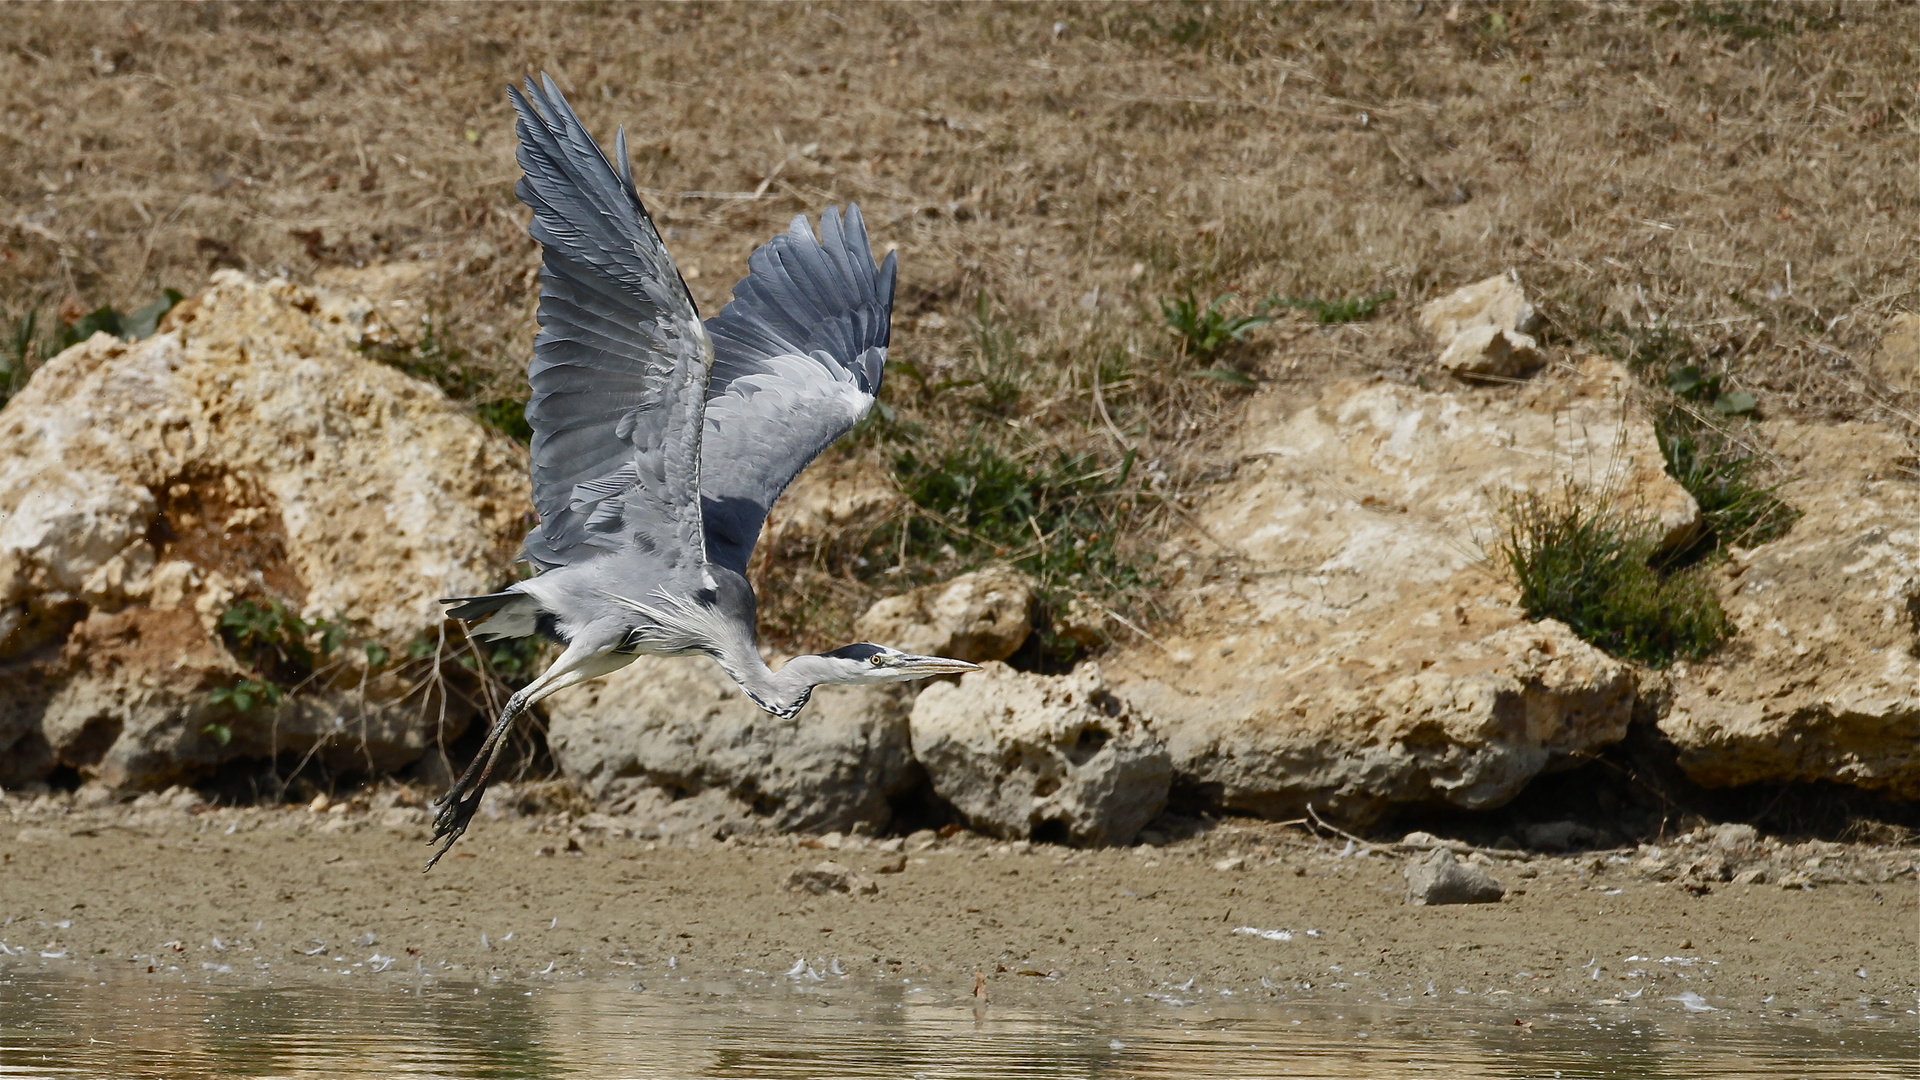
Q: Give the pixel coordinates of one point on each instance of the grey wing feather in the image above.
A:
(619, 368)
(798, 357)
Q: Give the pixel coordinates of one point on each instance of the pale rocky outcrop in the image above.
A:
(680, 724)
(1484, 330)
(985, 615)
(1047, 757)
(1822, 678)
(1366, 653)
(248, 451)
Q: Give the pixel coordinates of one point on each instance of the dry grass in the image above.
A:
(1638, 165)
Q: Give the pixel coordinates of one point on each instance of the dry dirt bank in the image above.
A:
(161, 892)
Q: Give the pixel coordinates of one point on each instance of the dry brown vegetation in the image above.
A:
(1726, 184)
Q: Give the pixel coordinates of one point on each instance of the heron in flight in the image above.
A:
(660, 441)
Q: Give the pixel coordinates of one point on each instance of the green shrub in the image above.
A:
(1582, 560)
(1736, 508)
(1059, 519)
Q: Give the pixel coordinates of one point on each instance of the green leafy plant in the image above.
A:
(1206, 332)
(241, 697)
(279, 644)
(1344, 310)
(1582, 560)
(1693, 384)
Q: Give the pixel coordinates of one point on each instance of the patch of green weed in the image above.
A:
(1737, 509)
(1057, 519)
(1584, 561)
(1692, 384)
(508, 416)
(1206, 332)
(1343, 310)
(1744, 20)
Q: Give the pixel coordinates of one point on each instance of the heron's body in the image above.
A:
(661, 441)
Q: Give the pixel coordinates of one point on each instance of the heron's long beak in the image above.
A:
(920, 666)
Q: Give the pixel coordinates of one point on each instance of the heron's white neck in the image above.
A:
(784, 692)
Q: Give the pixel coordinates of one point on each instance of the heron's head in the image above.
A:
(865, 664)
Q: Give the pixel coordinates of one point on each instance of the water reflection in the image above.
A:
(135, 1029)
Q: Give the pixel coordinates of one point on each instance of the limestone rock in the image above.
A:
(680, 724)
(985, 615)
(1822, 679)
(1484, 330)
(1498, 302)
(1734, 836)
(247, 451)
(1041, 757)
(1488, 352)
(1081, 621)
(1368, 654)
(1439, 878)
(129, 707)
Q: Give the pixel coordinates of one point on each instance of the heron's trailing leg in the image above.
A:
(588, 656)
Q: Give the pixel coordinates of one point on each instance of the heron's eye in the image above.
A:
(874, 659)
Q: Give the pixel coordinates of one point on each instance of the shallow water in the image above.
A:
(55, 1027)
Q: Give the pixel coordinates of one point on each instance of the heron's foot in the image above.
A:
(455, 810)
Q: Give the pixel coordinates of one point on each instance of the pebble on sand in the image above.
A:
(1439, 878)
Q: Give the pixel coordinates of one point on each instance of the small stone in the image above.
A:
(831, 877)
(1733, 836)
(1439, 878)
(892, 865)
(1422, 840)
(1488, 352)
(1231, 864)
(1497, 302)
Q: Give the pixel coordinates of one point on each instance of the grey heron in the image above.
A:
(660, 441)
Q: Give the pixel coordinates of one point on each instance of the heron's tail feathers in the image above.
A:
(507, 614)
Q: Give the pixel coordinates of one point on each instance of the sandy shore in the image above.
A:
(285, 894)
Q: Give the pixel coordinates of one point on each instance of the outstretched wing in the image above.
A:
(798, 354)
(619, 368)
